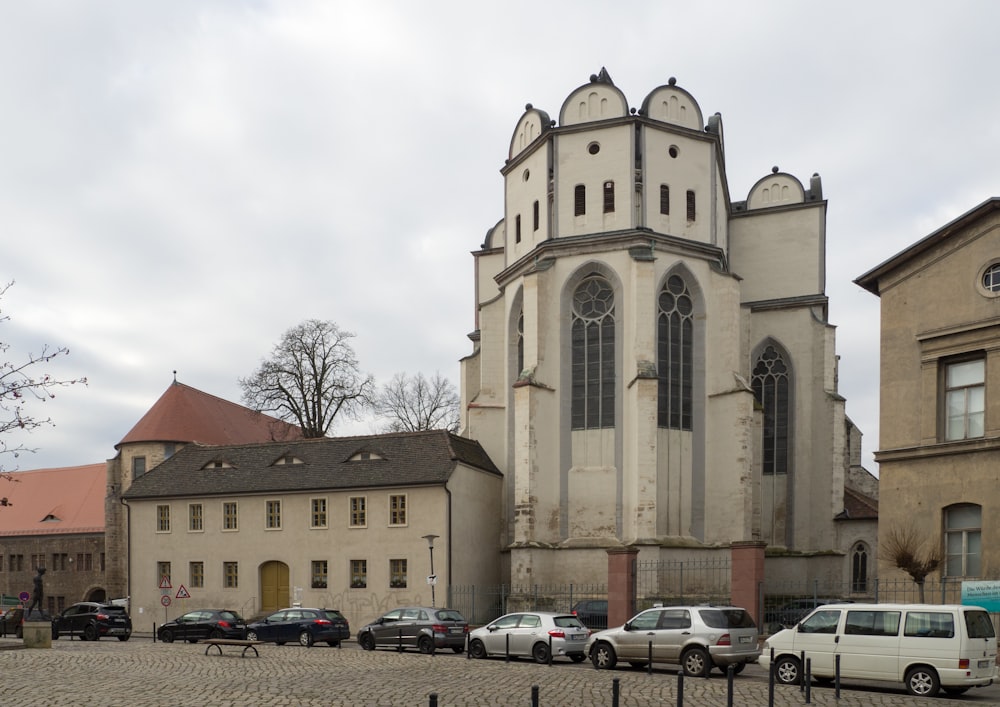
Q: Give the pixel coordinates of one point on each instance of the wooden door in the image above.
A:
(274, 589)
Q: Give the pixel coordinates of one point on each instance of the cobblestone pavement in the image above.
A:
(139, 672)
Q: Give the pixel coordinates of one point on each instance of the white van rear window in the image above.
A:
(929, 624)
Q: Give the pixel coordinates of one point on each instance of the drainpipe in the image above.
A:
(128, 553)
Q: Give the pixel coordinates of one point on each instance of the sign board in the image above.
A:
(165, 600)
(24, 596)
(432, 579)
(182, 593)
(165, 582)
(982, 593)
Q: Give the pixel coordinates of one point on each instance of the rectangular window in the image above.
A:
(196, 574)
(397, 509)
(229, 516)
(231, 575)
(872, 623)
(397, 574)
(60, 561)
(535, 215)
(88, 561)
(163, 519)
(359, 514)
(272, 518)
(963, 540)
(579, 200)
(664, 199)
(690, 205)
(37, 561)
(929, 624)
(609, 197)
(138, 467)
(163, 574)
(16, 563)
(1, 563)
(517, 228)
(195, 518)
(359, 574)
(318, 519)
(965, 398)
(319, 576)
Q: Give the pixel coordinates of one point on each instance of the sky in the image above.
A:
(181, 182)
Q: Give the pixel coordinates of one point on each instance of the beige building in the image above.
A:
(334, 522)
(939, 447)
(652, 361)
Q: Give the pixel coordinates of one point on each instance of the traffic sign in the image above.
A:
(24, 596)
(165, 600)
(182, 593)
(165, 582)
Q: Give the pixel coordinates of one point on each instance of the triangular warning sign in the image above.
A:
(165, 582)
(182, 593)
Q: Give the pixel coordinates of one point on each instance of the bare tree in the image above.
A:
(904, 547)
(311, 377)
(417, 403)
(19, 385)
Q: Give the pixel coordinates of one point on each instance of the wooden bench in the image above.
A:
(220, 642)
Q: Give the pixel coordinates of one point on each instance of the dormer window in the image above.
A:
(218, 465)
(365, 456)
(287, 459)
(51, 519)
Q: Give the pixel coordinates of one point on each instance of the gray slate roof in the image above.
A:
(407, 459)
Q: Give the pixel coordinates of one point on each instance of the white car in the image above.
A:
(539, 634)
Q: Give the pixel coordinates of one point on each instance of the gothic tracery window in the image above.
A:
(593, 357)
(674, 354)
(771, 386)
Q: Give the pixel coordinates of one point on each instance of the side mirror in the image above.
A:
(491, 628)
(627, 626)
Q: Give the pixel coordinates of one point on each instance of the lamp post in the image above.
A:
(432, 578)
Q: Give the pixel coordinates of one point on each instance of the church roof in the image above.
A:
(54, 501)
(858, 506)
(396, 459)
(185, 414)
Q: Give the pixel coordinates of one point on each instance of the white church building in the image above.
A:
(653, 365)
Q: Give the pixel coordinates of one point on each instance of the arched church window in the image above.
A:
(690, 205)
(859, 568)
(674, 354)
(771, 386)
(520, 342)
(593, 347)
(609, 197)
(665, 199)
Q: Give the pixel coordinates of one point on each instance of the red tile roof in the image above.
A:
(54, 501)
(184, 414)
(858, 506)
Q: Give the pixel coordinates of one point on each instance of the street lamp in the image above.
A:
(432, 578)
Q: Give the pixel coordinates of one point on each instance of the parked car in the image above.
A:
(789, 614)
(538, 634)
(421, 627)
(307, 626)
(593, 613)
(92, 620)
(697, 637)
(13, 621)
(203, 623)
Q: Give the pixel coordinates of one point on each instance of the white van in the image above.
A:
(924, 646)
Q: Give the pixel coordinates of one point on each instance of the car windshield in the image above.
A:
(449, 615)
(230, 616)
(568, 622)
(727, 618)
(333, 615)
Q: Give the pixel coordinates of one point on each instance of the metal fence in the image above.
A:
(480, 605)
(691, 581)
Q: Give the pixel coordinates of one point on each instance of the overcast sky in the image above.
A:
(181, 182)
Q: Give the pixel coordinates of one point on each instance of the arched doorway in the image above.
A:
(97, 594)
(273, 586)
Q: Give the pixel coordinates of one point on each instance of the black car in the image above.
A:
(303, 625)
(91, 620)
(203, 623)
(593, 613)
(13, 621)
(421, 627)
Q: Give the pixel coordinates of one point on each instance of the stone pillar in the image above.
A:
(37, 634)
(747, 568)
(621, 584)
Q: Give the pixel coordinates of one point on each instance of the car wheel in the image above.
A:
(366, 641)
(167, 636)
(922, 682)
(787, 670)
(333, 643)
(280, 643)
(955, 691)
(603, 656)
(90, 632)
(540, 652)
(737, 668)
(55, 635)
(124, 638)
(216, 633)
(425, 644)
(192, 640)
(638, 663)
(306, 639)
(696, 662)
(477, 649)
(577, 657)
(252, 636)
(457, 649)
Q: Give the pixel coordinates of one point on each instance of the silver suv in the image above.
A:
(696, 637)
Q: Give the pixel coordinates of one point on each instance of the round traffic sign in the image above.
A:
(165, 600)
(24, 596)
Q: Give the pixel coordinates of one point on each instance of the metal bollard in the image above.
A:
(616, 690)
(399, 639)
(506, 650)
(680, 688)
(808, 680)
(802, 666)
(730, 675)
(433, 701)
(468, 644)
(534, 696)
(649, 655)
(550, 651)
(154, 633)
(837, 676)
(770, 681)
